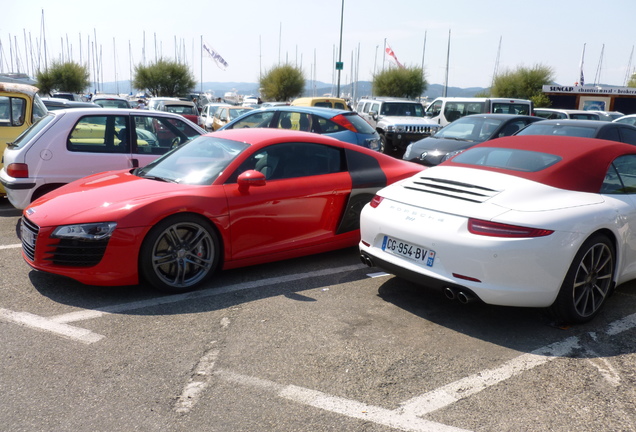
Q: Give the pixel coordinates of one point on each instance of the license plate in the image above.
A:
(408, 250)
(26, 236)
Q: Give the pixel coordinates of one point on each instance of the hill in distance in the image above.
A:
(359, 90)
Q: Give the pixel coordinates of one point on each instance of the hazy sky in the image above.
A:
(253, 36)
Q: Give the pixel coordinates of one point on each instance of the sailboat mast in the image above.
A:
(447, 64)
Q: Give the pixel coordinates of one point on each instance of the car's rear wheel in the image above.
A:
(179, 253)
(588, 282)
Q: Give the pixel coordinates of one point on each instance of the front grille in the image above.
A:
(77, 253)
(452, 189)
(28, 235)
(418, 129)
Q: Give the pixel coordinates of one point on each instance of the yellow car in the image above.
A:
(20, 107)
(226, 114)
(324, 102)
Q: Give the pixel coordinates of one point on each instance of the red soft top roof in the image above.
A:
(583, 166)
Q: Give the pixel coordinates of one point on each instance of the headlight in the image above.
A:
(89, 231)
(451, 154)
(390, 128)
(407, 152)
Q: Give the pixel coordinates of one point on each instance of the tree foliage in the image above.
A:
(68, 77)
(164, 78)
(632, 81)
(524, 83)
(282, 83)
(400, 82)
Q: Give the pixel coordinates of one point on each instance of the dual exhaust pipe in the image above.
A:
(463, 297)
(366, 260)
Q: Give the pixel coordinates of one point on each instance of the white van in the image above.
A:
(445, 110)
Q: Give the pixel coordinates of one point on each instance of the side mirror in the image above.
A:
(250, 178)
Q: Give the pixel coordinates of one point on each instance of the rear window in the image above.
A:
(510, 108)
(559, 130)
(32, 131)
(511, 159)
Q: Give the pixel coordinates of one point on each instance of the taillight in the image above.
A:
(344, 122)
(376, 201)
(18, 170)
(494, 229)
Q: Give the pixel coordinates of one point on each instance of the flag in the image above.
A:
(390, 52)
(220, 61)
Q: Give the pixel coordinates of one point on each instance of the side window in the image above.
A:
(5, 111)
(621, 176)
(256, 120)
(628, 135)
(18, 111)
(452, 111)
(327, 126)
(434, 109)
(610, 134)
(292, 160)
(12, 111)
(100, 134)
(375, 108)
(512, 128)
(285, 120)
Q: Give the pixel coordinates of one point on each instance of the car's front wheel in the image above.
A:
(179, 253)
(588, 282)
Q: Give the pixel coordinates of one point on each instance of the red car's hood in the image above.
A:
(109, 196)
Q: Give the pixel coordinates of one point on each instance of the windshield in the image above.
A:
(199, 162)
(470, 129)
(402, 109)
(559, 130)
(39, 109)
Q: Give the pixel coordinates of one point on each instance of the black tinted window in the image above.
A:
(628, 135)
(512, 159)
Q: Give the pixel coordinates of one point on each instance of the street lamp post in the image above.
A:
(339, 64)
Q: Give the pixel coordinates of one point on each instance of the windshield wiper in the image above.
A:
(11, 144)
(163, 179)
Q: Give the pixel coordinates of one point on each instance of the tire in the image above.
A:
(383, 147)
(179, 253)
(588, 282)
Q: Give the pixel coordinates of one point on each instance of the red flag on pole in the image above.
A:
(390, 52)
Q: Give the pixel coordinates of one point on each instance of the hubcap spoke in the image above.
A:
(183, 254)
(592, 280)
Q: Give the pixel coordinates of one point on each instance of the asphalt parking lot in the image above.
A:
(319, 343)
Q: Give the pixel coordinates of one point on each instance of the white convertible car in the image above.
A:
(532, 221)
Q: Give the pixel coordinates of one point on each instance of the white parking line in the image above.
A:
(408, 416)
(40, 323)
(347, 407)
(11, 246)
(209, 292)
(59, 324)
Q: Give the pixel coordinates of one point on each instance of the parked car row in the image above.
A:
(116, 196)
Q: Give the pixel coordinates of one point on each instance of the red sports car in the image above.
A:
(229, 199)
